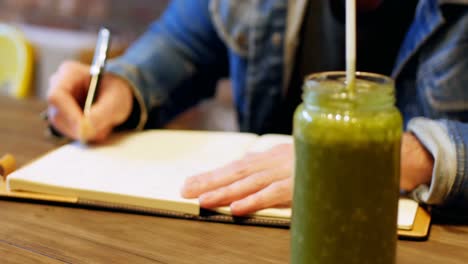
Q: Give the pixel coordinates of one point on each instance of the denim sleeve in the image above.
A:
(447, 140)
(175, 64)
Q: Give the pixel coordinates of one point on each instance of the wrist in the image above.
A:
(434, 136)
(417, 163)
(427, 161)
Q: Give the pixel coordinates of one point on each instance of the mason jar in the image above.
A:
(347, 170)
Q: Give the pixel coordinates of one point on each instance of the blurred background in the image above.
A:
(66, 29)
(127, 18)
(61, 30)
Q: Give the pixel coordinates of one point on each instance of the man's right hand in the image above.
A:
(67, 93)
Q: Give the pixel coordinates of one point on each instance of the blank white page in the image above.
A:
(151, 164)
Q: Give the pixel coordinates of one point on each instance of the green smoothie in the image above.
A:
(346, 172)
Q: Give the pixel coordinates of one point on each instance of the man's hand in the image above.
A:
(66, 96)
(263, 180)
(258, 181)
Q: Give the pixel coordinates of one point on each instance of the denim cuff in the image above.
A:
(128, 72)
(435, 137)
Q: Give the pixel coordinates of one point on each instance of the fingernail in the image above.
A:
(186, 191)
(208, 199)
(237, 208)
(191, 189)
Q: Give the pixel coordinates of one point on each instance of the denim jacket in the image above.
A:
(179, 60)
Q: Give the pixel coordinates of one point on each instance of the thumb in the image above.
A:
(112, 107)
(102, 119)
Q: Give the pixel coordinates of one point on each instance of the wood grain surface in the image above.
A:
(48, 233)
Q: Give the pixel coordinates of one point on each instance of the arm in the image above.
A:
(174, 64)
(441, 75)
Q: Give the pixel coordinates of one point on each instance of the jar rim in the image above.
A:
(329, 89)
(382, 77)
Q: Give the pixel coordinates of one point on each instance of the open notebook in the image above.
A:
(144, 171)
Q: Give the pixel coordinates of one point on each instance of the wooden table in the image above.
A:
(41, 233)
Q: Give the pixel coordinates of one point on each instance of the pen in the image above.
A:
(96, 70)
(97, 67)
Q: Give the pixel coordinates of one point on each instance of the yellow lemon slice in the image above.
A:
(16, 62)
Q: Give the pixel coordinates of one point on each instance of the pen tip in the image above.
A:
(86, 131)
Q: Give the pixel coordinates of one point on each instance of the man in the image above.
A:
(266, 47)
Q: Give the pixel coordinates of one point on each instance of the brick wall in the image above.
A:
(125, 17)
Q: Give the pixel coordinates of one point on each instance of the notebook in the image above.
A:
(144, 172)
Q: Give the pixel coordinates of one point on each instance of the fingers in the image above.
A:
(97, 125)
(244, 187)
(67, 93)
(112, 107)
(72, 77)
(258, 181)
(62, 123)
(235, 171)
(277, 194)
(67, 89)
(198, 184)
(113, 103)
